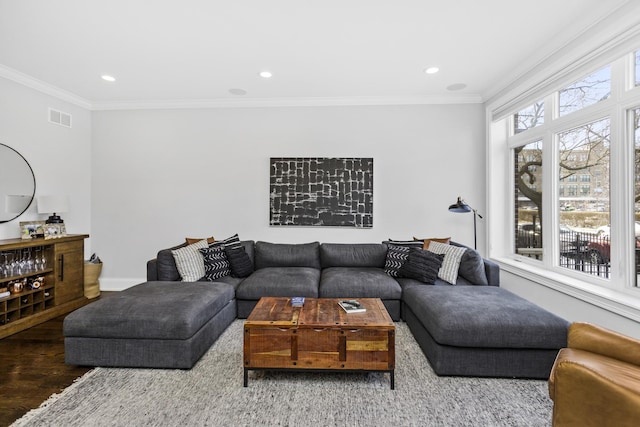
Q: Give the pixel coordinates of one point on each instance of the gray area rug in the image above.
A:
(211, 394)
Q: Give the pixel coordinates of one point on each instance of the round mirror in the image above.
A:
(17, 184)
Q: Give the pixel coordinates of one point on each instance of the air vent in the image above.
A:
(59, 118)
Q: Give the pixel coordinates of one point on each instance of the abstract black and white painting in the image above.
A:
(321, 191)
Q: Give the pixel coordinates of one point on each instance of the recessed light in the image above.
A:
(237, 91)
(266, 74)
(456, 86)
(431, 70)
(108, 78)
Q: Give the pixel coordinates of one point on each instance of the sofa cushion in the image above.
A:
(353, 255)
(190, 262)
(151, 310)
(484, 316)
(280, 282)
(422, 266)
(287, 255)
(358, 282)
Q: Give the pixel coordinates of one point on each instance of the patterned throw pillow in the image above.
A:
(231, 242)
(452, 256)
(396, 256)
(189, 261)
(422, 266)
(216, 264)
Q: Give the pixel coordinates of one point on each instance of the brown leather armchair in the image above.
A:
(596, 380)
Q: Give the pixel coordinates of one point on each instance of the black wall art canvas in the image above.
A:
(321, 191)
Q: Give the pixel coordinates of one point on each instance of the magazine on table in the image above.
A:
(351, 306)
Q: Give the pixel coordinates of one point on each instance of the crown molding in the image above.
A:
(46, 88)
(286, 102)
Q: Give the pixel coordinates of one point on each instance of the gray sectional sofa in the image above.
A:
(474, 328)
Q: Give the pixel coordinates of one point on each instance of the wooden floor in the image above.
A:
(32, 368)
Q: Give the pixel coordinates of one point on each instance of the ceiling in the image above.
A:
(329, 51)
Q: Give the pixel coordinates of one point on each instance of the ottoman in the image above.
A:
(151, 325)
(483, 331)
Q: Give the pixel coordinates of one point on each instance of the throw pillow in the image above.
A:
(230, 242)
(421, 265)
(409, 243)
(396, 256)
(191, 240)
(241, 265)
(216, 264)
(189, 261)
(472, 268)
(452, 256)
(426, 242)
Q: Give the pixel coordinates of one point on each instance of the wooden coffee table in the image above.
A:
(319, 336)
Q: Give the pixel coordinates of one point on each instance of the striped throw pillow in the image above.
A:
(451, 263)
(189, 261)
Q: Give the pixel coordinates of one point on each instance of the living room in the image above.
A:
(144, 169)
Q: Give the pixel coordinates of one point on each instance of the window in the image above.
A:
(590, 90)
(529, 117)
(593, 141)
(528, 195)
(576, 221)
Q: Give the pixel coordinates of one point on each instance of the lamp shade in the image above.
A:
(460, 206)
(53, 204)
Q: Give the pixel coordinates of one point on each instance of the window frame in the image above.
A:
(619, 293)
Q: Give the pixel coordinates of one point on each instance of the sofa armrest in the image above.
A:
(152, 270)
(492, 270)
(588, 337)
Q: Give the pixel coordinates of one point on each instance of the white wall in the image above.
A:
(566, 306)
(161, 175)
(60, 157)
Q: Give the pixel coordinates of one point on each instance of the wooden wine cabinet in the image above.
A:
(63, 288)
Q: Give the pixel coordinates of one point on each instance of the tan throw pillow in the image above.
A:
(443, 240)
(191, 240)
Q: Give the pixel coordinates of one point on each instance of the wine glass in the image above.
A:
(43, 259)
(28, 260)
(4, 267)
(37, 262)
(12, 263)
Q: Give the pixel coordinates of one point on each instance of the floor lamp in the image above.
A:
(462, 207)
